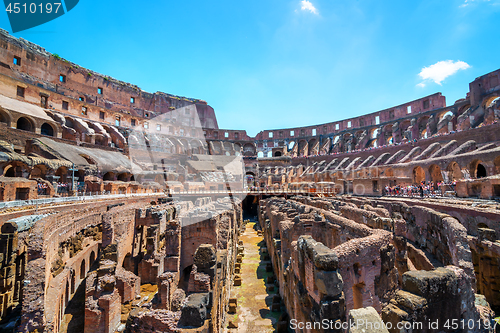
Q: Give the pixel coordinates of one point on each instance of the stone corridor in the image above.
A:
(255, 297)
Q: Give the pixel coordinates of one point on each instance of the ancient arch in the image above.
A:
(418, 175)
(185, 146)
(313, 146)
(109, 176)
(62, 173)
(302, 147)
(496, 163)
(25, 124)
(463, 109)
(73, 282)
(487, 101)
(249, 149)
(277, 154)
(196, 147)
(477, 169)
(83, 270)
(481, 171)
(444, 114)
(39, 171)
(435, 173)
(47, 129)
(454, 171)
(16, 169)
(66, 296)
(124, 176)
(422, 127)
(5, 117)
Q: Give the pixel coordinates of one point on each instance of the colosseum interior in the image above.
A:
(128, 211)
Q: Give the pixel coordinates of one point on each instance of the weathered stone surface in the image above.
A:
(194, 311)
(366, 320)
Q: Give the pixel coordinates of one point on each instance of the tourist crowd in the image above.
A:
(43, 189)
(424, 189)
(62, 188)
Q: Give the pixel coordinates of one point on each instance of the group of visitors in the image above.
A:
(423, 190)
(43, 188)
(62, 188)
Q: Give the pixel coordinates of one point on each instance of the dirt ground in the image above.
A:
(253, 313)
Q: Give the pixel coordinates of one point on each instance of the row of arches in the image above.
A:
(76, 276)
(417, 127)
(453, 172)
(27, 123)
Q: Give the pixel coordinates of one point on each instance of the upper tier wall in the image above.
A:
(31, 64)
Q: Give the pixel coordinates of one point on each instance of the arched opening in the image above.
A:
(24, 124)
(496, 162)
(39, 171)
(47, 130)
(16, 169)
(454, 171)
(477, 169)
(108, 176)
(73, 283)
(313, 146)
(123, 177)
(277, 154)
(184, 281)
(248, 149)
(302, 148)
(4, 118)
(444, 114)
(435, 173)
(390, 140)
(418, 175)
(67, 293)
(11, 172)
(480, 171)
(260, 154)
(92, 258)
(489, 101)
(269, 154)
(357, 295)
(423, 135)
(83, 270)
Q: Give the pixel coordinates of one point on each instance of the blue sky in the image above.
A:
(282, 63)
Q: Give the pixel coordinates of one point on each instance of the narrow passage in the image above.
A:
(255, 295)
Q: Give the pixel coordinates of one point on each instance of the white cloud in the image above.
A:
(421, 85)
(441, 70)
(468, 2)
(307, 5)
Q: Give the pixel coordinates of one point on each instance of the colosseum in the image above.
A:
(128, 211)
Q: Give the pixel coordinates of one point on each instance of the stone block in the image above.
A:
(237, 281)
(366, 320)
(329, 283)
(433, 285)
(194, 311)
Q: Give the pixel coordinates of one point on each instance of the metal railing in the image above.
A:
(107, 195)
(54, 200)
